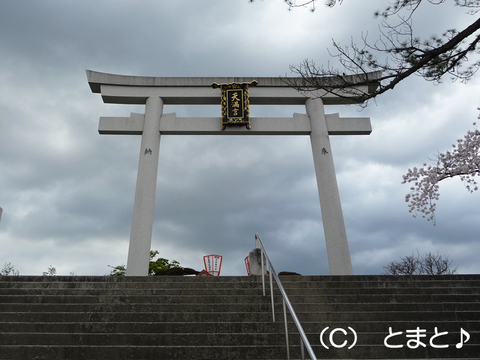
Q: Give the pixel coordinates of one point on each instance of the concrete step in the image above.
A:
(379, 351)
(143, 316)
(184, 352)
(131, 299)
(187, 285)
(144, 339)
(377, 280)
(144, 291)
(385, 316)
(382, 299)
(137, 307)
(387, 307)
(122, 281)
(430, 290)
(175, 327)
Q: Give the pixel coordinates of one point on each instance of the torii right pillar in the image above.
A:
(331, 207)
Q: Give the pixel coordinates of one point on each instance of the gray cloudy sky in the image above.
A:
(67, 192)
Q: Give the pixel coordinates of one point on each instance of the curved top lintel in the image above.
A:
(269, 88)
(95, 79)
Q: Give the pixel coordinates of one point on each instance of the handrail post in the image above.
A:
(271, 292)
(286, 329)
(263, 269)
(302, 350)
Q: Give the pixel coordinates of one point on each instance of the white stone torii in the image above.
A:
(155, 92)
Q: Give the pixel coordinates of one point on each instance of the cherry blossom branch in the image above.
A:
(463, 162)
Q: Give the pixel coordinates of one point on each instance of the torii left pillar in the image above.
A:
(144, 204)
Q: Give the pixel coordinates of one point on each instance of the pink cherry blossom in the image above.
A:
(462, 161)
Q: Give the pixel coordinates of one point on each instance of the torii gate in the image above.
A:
(155, 92)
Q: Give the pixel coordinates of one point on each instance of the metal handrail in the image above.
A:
(286, 303)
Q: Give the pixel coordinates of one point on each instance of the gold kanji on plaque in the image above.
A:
(235, 103)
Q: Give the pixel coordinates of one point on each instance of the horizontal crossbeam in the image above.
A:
(170, 124)
(122, 89)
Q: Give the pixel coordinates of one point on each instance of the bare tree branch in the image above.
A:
(428, 264)
(401, 55)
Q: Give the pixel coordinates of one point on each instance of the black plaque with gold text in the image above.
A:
(235, 103)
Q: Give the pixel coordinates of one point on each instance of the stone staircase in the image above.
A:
(370, 305)
(169, 317)
(174, 317)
